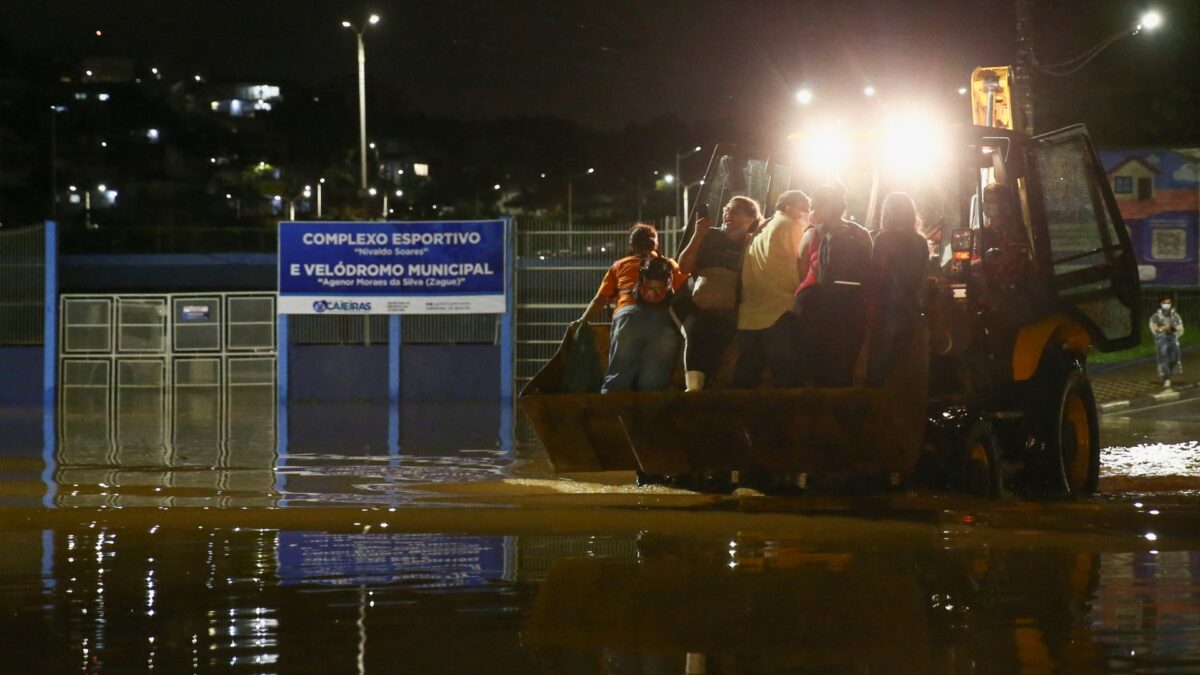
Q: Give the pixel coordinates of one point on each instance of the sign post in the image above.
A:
(394, 268)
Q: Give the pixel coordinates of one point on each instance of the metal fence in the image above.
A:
(558, 271)
(22, 286)
(1187, 303)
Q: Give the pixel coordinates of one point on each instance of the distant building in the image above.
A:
(246, 100)
(1158, 193)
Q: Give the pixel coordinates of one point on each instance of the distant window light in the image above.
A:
(420, 169)
(235, 108)
(74, 199)
(215, 105)
(80, 96)
(1123, 185)
(262, 105)
(102, 96)
(265, 92)
(152, 135)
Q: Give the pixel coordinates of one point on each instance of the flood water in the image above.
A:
(473, 560)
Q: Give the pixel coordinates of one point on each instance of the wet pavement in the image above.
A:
(224, 559)
(1139, 378)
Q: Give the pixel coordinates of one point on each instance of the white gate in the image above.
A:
(162, 371)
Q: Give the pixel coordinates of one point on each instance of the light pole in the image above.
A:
(1149, 21)
(54, 111)
(320, 185)
(362, 95)
(386, 211)
(571, 196)
(291, 204)
(679, 209)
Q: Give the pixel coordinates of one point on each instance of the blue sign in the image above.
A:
(392, 267)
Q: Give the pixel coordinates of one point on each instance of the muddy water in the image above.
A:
(232, 559)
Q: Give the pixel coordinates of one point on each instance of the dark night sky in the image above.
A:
(609, 62)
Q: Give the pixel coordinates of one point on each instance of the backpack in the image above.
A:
(845, 255)
(653, 269)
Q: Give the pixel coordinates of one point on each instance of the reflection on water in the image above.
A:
(210, 556)
(1148, 608)
(106, 594)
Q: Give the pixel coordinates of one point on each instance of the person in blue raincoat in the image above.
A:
(1167, 327)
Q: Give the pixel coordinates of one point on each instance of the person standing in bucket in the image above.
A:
(834, 265)
(645, 343)
(896, 298)
(1167, 327)
(766, 323)
(713, 261)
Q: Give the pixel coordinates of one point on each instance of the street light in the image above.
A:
(868, 91)
(1148, 22)
(677, 179)
(320, 189)
(804, 96)
(571, 196)
(362, 95)
(291, 206)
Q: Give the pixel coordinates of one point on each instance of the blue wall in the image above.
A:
(20, 399)
(338, 397)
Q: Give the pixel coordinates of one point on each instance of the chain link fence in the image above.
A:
(22, 286)
(558, 272)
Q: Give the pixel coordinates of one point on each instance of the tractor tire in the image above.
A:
(977, 470)
(1068, 428)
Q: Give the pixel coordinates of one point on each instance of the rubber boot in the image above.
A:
(693, 380)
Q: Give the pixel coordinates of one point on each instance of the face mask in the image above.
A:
(1166, 306)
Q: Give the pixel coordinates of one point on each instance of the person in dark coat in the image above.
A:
(899, 262)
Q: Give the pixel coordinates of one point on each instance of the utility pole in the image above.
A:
(1023, 70)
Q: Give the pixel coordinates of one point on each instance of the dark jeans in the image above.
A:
(832, 326)
(773, 348)
(708, 336)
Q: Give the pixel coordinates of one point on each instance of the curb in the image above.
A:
(1165, 396)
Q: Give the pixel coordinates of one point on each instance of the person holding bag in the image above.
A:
(644, 342)
(713, 258)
